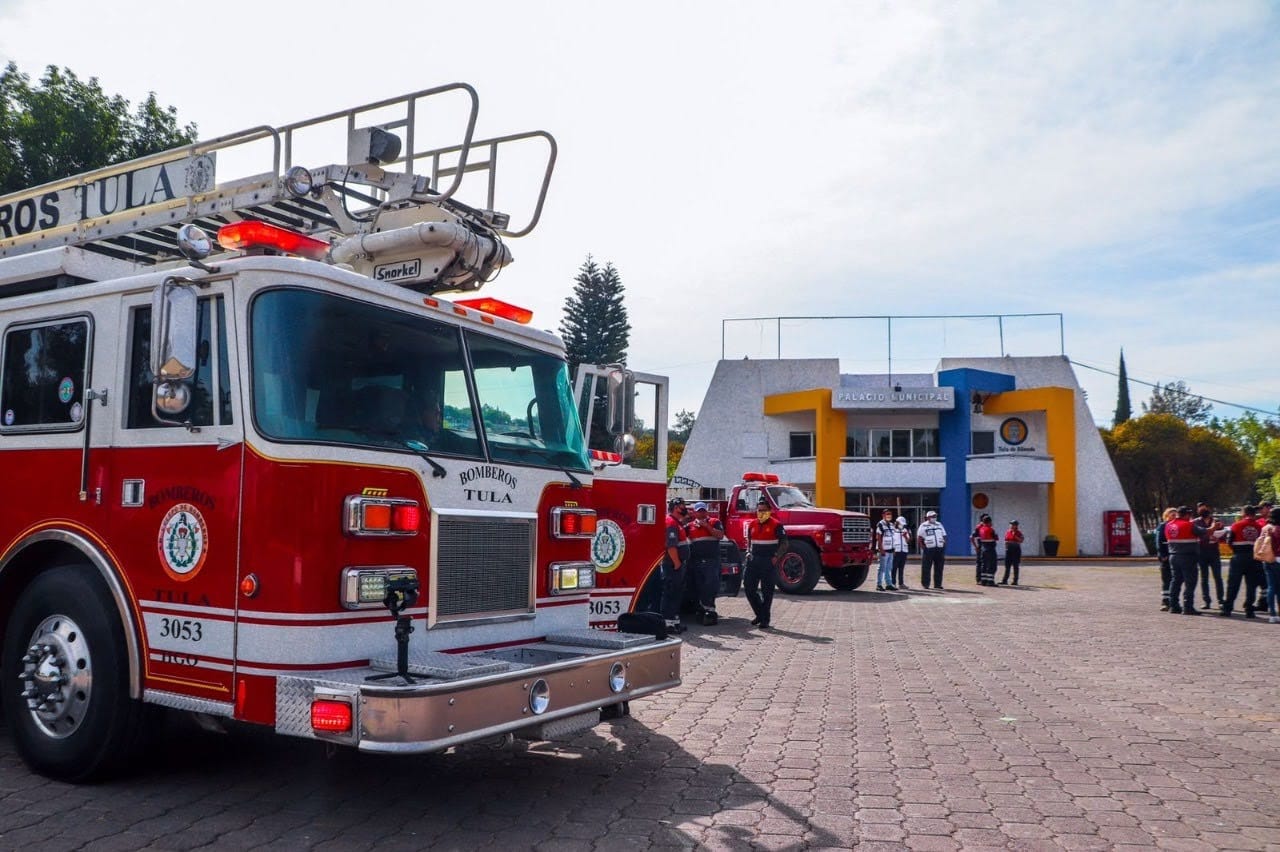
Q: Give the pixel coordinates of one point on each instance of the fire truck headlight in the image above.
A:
(572, 577)
(365, 588)
(539, 697)
(617, 677)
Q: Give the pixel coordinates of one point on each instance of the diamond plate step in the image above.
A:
(441, 666)
(608, 640)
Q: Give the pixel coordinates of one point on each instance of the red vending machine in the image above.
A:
(1117, 532)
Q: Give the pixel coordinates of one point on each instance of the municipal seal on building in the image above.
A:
(607, 546)
(184, 541)
(1013, 431)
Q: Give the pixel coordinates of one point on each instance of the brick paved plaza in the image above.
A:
(1068, 713)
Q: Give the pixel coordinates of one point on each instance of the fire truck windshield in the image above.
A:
(329, 369)
(788, 497)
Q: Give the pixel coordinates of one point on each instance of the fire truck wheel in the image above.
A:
(847, 579)
(799, 569)
(64, 678)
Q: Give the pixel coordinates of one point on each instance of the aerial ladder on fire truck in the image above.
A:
(392, 211)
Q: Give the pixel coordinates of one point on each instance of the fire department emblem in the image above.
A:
(183, 542)
(607, 546)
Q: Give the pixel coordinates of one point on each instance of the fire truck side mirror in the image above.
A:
(622, 401)
(173, 331)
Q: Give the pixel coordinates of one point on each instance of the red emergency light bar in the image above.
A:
(498, 308)
(756, 476)
(251, 234)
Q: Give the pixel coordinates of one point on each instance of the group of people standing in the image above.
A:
(893, 540)
(693, 555)
(1187, 546)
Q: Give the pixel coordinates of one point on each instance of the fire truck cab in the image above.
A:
(259, 470)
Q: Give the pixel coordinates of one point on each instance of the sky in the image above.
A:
(1115, 163)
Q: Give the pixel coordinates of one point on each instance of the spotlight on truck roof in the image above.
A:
(193, 242)
(298, 181)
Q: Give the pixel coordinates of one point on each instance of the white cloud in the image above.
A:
(742, 159)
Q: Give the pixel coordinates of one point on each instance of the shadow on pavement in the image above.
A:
(620, 785)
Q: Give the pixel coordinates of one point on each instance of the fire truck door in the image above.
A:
(174, 496)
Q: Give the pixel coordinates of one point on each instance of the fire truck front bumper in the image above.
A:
(545, 690)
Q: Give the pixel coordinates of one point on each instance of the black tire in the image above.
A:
(799, 569)
(847, 579)
(64, 626)
(730, 585)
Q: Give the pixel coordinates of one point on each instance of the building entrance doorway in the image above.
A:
(905, 504)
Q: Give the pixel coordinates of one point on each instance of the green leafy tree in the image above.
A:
(595, 327)
(683, 426)
(1259, 439)
(1163, 461)
(1177, 399)
(1124, 410)
(64, 125)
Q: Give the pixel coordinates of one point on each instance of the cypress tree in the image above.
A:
(595, 327)
(1124, 410)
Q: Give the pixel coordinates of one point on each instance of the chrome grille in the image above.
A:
(484, 566)
(856, 530)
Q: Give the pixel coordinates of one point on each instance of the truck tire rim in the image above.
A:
(792, 569)
(57, 676)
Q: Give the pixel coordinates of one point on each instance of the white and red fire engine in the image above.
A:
(256, 469)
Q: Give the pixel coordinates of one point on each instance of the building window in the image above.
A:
(857, 444)
(882, 443)
(984, 443)
(801, 445)
(891, 444)
(925, 443)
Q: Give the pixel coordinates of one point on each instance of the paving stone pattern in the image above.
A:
(1064, 714)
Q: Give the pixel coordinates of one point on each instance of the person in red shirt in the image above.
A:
(1013, 539)
(766, 542)
(987, 539)
(1241, 536)
(705, 533)
(1184, 555)
(673, 564)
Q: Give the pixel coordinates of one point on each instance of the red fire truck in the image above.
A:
(829, 544)
(629, 490)
(259, 470)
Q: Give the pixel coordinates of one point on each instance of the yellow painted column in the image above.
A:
(1059, 407)
(828, 438)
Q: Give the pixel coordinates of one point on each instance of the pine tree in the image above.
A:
(1124, 410)
(595, 327)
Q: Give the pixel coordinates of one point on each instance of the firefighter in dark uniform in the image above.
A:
(705, 534)
(1241, 535)
(766, 542)
(1184, 560)
(985, 536)
(1210, 559)
(1013, 539)
(673, 564)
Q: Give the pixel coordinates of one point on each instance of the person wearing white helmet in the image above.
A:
(901, 544)
(932, 537)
